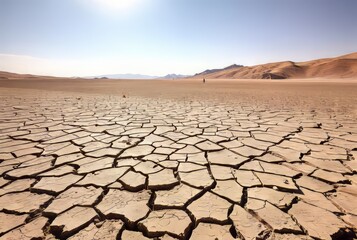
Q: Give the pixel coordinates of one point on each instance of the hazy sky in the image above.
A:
(157, 37)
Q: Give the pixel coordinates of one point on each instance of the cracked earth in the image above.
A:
(94, 166)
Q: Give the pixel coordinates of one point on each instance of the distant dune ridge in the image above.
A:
(340, 67)
(8, 75)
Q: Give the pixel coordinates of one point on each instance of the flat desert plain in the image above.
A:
(178, 159)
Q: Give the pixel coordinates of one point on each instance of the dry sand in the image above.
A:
(178, 159)
(302, 94)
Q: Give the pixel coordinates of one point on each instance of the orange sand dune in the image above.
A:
(328, 68)
(339, 67)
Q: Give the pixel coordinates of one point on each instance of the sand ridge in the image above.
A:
(340, 67)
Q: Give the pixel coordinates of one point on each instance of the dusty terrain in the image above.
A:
(339, 67)
(105, 159)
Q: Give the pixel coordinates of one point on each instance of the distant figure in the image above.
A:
(204, 80)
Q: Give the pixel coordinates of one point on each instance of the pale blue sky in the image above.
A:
(92, 37)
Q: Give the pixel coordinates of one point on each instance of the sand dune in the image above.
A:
(328, 68)
(9, 75)
(339, 67)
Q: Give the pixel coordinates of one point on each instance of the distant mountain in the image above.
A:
(138, 76)
(9, 75)
(124, 76)
(339, 67)
(173, 76)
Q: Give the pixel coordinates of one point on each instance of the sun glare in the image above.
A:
(116, 5)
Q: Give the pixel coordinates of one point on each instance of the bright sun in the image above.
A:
(116, 4)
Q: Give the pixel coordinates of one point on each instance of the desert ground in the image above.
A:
(178, 159)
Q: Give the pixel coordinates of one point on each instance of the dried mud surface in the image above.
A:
(178, 160)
